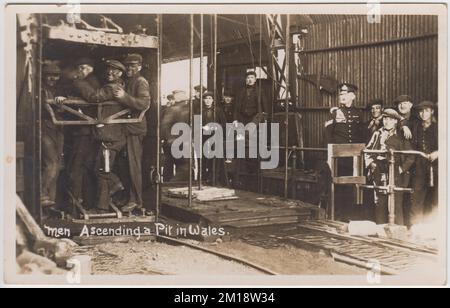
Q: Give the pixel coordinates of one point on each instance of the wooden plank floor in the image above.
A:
(250, 209)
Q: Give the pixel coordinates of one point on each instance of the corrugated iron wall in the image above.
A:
(386, 59)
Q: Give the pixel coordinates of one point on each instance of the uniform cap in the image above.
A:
(347, 88)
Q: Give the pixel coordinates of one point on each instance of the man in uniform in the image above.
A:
(346, 123)
(137, 98)
(345, 127)
(84, 148)
(425, 179)
(376, 118)
(387, 138)
(52, 137)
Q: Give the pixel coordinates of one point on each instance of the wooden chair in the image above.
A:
(336, 151)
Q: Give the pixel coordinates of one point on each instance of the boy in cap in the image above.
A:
(198, 92)
(228, 106)
(208, 117)
(425, 179)
(136, 96)
(387, 138)
(52, 137)
(375, 122)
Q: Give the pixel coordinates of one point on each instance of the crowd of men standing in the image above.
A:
(404, 126)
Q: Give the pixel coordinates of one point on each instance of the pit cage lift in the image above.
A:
(108, 40)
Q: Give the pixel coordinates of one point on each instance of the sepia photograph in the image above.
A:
(213, 144)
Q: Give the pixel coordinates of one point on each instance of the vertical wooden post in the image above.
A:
(391, 186)
(159, 26)
(332, 165)
(37, 149)
(286, 153)
(191, 56)
(200, 154)
(214, 51)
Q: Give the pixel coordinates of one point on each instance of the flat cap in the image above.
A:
(347, 88)
(392, 113)
(374, 102)
(133, 58)
(179, 96)
(250, 73)
(200, 88)
(208, 93)
(85, 60)
(403, 98)
(425, 104)
(115, 64)
(51, 69)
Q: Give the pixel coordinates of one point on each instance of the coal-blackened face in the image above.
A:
(84, 70)
(113, 74)
(208, 101)
(375, 111)
(227, 100)
(426, 114)
(405, 107)
(51, 79)
(133, 69)
(250, 80)
(389, 123)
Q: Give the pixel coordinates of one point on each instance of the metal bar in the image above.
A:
(159, 26)
(215, 87)
(371, 44)
(191, 55)
(409, 152)
(38, 127)
(116, 115)
(399, 189)
(200, 154)
(302, 149)
(77, 113)
(286, 152)
(260, 184)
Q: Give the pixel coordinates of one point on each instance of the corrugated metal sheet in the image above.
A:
(386, 59)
